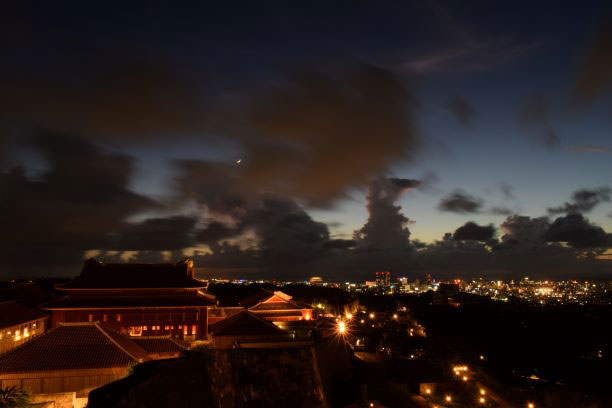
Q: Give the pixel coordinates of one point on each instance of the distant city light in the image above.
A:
(341, 327)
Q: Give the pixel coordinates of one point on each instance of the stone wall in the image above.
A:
(281, 377)
(220, 379)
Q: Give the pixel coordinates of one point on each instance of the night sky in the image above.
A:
(292, 139)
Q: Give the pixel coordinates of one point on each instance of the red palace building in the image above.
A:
(137, 299)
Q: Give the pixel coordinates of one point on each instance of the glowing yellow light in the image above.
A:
(428, 391)
(371, 315)
(531, 405)
(362, 321)
(482, 392)
(481, 357)
(320, 306)
(341, 327)
(371, 404)
(448, 398)
(464, 378)
(482, 400)
(349, 316)
(395, 316)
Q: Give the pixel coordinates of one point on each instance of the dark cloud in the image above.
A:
(534, 114)
(550, 138)
(299, 135)
(287, 238)
(501, 211)
(157, 234)
(386, 227)
(471, 231)
(524, 230)
(313, 128)
(595, 76)
(584, 201)
(341, 243)
(216, 231)
(578, 232)
(473, 55)
(460, 202)
(507, 191)
(534, 111)
(119, 99)
(590, 149)
(463, 110)
(81, 202)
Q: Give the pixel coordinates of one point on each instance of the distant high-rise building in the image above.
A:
(315, 280)
(383, 279)
(403, 280)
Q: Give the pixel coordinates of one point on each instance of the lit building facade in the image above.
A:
(277, 307)
(137, 299)
(19, 324)
(383, 279)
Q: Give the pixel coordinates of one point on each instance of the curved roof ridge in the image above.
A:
(137, 349)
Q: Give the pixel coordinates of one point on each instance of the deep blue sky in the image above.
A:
(518, 139)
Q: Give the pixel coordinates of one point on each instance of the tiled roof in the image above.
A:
(277, 306)
(84, 301)
(244, 323)
(267, 314)
(255, 302)
(73, 346)
(255, 298)
(99, 275)
(13, 313)
(159, 344)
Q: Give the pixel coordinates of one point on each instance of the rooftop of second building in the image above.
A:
(100, 275)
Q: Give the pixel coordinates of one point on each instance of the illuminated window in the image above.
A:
(144, 328)
(185, 330)
(105, 317)
(90, 317)
(135, 331)
(166, 327)
(194, 329)
(180, 327)
(118, 317)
